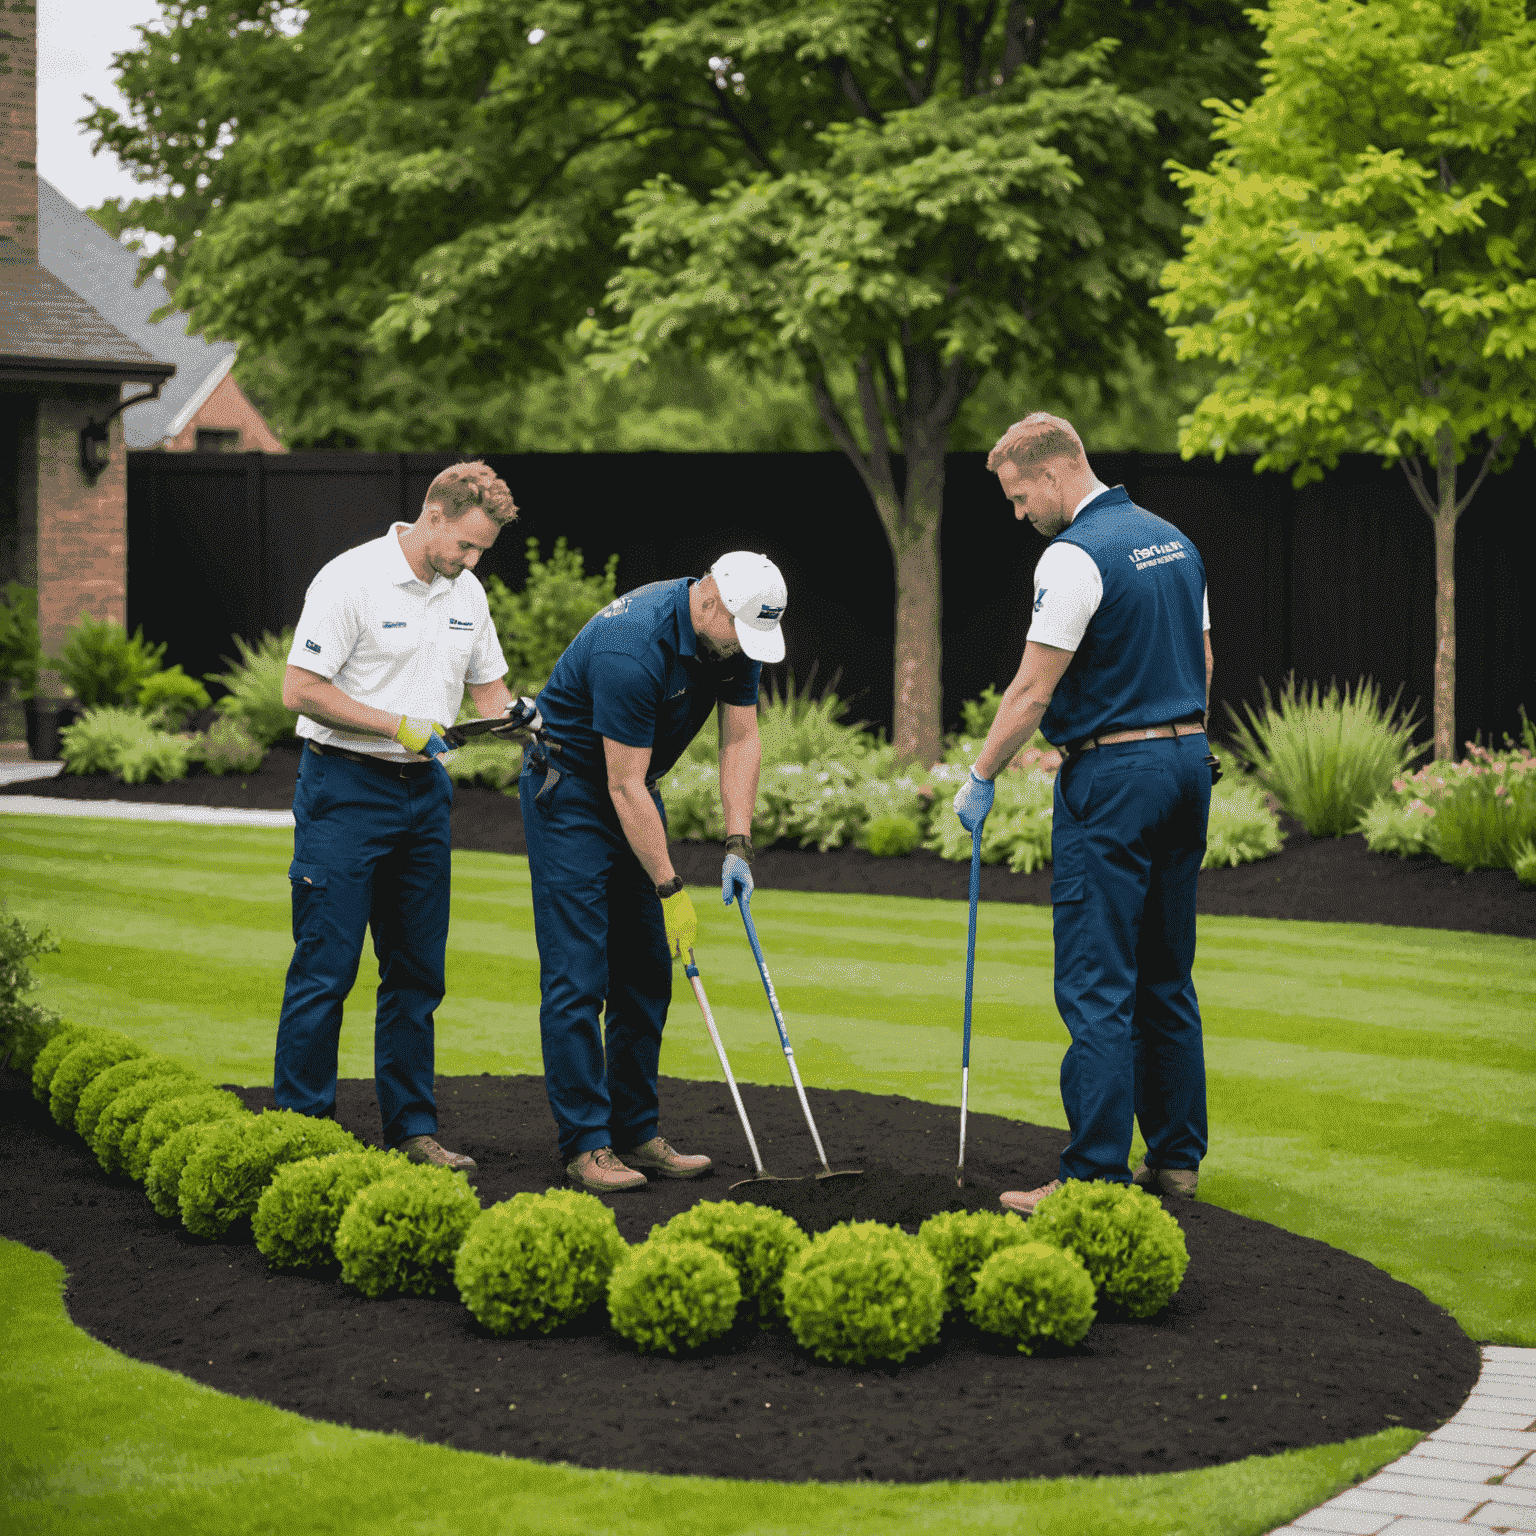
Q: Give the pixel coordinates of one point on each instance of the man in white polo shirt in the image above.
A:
(391, 634)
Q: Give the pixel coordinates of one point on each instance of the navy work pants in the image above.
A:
(1128, 835)
(370, 850)
(602, 952)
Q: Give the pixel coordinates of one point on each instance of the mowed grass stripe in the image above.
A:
(1372, 1087)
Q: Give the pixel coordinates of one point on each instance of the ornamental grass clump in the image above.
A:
(52, 1054)
(864, 1291)
(673, 1295)
(402, 1233)
(299, 1211)
(161, 1121)
(1031, 1292)
(536, 1262)
(107, 1085)
(127, 1109)
(224, 1177)
(962, 1241)
(162, 1181)
(1132, 1248)
(757, 1242)
(1326, 756)
(86, 1062)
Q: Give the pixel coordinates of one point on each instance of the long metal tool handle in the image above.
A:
(691, 970)
(778, 1019)
(970, 981)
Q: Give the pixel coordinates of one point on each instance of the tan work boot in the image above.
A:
(602, 1173)
(1024, 1202)
(426, 1149)
(1167, 1181)
(655, 1156)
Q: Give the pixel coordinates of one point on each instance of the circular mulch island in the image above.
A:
(1275, 1341)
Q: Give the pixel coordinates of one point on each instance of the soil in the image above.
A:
(1336, 880)
(1274, 1342)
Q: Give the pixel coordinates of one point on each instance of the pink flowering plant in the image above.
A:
(1479, 813)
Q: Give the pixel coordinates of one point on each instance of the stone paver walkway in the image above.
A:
(1475, 1473)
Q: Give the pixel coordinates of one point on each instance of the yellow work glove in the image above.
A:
(682, 923)
(423, 736)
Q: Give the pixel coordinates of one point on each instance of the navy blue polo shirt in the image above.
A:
(635, 674)
(1142, 660)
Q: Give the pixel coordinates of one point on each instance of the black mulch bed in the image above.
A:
(1274, 1342)
(1337, 880)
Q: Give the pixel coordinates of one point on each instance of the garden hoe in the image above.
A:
(970, 977)
(691, 970)
(789, 1050)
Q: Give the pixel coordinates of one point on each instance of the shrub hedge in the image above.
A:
(962, 1241)
(128, 1108)
(535, 1262)
(1030, 1291)
(162, 1183)
(299, 1211)
(223, 1179)
(53, 1053)
(402, 1233)
(756, 1242)
(1132, 1248)
(87, 1061)
(864, 1291)
(107, 1085)
(198, 1107)
(673, 1295)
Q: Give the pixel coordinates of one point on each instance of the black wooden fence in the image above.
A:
(1334, 580)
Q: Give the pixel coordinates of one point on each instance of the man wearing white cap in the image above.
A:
(610, 912)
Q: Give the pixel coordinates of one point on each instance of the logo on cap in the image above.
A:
(768, 611)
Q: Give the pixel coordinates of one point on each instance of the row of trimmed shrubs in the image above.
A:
(863, 1291)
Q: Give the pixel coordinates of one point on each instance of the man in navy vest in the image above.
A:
(1117, 674)
(609, 910)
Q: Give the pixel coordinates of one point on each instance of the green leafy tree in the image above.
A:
(1363, 265)
(403, 209)
(535, 625)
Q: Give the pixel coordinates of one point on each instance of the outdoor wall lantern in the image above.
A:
(96, 436)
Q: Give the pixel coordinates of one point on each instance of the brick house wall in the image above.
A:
(230, 418)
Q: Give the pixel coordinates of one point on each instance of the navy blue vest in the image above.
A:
(1142, 661)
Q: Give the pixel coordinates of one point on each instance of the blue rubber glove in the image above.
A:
(974, 801)
(736, 872)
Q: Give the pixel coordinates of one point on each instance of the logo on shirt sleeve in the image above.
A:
(394, 623)
(309, 645)
(1040, 599)
(615, 608)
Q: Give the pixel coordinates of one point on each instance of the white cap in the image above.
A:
(753, 591)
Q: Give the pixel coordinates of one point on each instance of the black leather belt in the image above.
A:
(393, 768)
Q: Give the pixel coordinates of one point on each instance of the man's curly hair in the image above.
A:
(1036, 440)
(472, 483)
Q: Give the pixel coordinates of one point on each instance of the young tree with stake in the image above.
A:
(1363, 260)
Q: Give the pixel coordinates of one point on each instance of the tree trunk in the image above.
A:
(919, 628)
(1446, 513)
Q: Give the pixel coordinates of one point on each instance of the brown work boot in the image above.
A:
(655, 1156)
(426, 1149)
(1024, 1202)
(1167, 1181)
(602, 1173)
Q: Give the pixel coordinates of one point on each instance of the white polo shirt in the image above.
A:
(1069, 589)
(387, 639)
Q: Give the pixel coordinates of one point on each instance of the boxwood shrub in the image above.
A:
(162, 1183)
(224, 1177)
(756, 1242)
(1132, 1248)
(107, 1085)
(864, 1291)
(53, 1053)
(86, 1062)
(128, 1108)
(1030, 1291)
(673, 1295)
(962, 1241)
(298, 1212)
(535, 1262)
(402, 1233)
(141, 1141)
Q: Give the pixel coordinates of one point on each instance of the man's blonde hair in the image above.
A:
(472, 483)
(1036, 440)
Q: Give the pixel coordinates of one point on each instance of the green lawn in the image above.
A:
(1369, 1086)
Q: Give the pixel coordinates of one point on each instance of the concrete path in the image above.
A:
(1476, 1473)
(121, 810)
